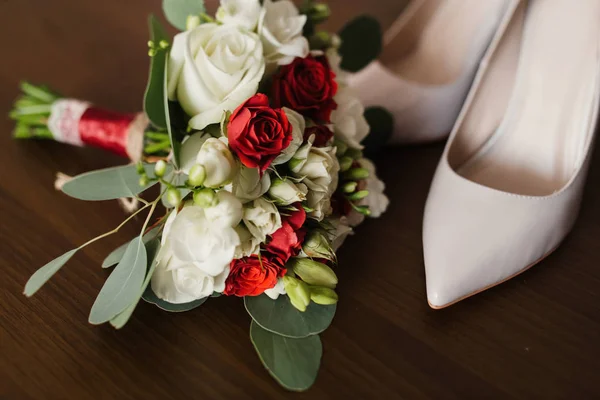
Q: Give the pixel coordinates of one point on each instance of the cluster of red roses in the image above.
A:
(257, 133)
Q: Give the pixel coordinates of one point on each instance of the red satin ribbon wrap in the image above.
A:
(105, 129)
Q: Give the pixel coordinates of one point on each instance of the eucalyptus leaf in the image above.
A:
(123, 285)
(154, 98)
(294, 363)
(177, 11)
(117, 254)
(381, 123)
(107, 184)
(152, 249)
(150, 297)
(361, 43)
(42, 275)
(281, 317)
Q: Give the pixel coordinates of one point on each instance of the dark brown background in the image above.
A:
(536, 336)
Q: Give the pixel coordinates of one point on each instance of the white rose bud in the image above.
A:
(218, 163)
(261, 218)
(286, 192)
(227, 212)
(243, 13)
(280, 28)
(212, 69)
(248, 185)
(317, 165)
(298, 126)
(194, 259)
(348, 118)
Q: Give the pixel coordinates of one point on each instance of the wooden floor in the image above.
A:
(537, 336)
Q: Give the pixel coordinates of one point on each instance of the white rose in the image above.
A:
(341, 231)
(286, 192)
(194, 259)
(248, 185)
(298, 126)
(227, 212)
(280, 28)
(319, 203)
(318, 166)
(261, 218)
(214, 68)
(243, 13)
(377, 201)
(213, 154)
(249, 245)
(348, 118)
(276, 290)
(218, 162)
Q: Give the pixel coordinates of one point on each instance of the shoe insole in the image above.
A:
(451, 40)
(540, 141)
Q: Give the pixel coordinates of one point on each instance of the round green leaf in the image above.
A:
(294, 363)
(281, 317)
(150, 297)
(361, 43)
(107, 184)
(177, 11)
(381, 123)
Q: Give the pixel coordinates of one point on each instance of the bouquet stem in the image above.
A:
(40, 113)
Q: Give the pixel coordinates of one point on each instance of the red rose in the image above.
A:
(307, 86)
(258, 133)
(251, 276)
(322, 135)
(287, 241)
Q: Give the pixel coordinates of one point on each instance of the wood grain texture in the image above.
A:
(537, 336)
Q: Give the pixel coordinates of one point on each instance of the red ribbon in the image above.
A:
(105, 129)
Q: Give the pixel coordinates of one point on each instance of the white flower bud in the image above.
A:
(286, 192)
(218, 162)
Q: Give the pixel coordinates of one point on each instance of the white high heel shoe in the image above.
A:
(430, 56)
(508, 187)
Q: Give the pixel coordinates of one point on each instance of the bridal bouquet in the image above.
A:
(254, 140)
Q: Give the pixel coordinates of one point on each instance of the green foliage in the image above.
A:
(294, 363)
(281, 317)
(361, 43)
(42, 275)
(107, 184)
(150, 297)
(382, 126)
(117, 254)
(123, 285)
(152, 249)
(177, 11)
(154, 98)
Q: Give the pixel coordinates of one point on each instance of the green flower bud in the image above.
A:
(160, 168)
(286, 192)
(323, 295)
(354, 153)
(197, 175)
(358, 195)
(173, 197)
(356, 174)
(140, 168)
(346, 163)
(313, 272)
(341, 147)
(316, 245)
(143, 180)
(205, 198)
(349, 187)
(298, 292)
(163, 44)
(364, 210)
